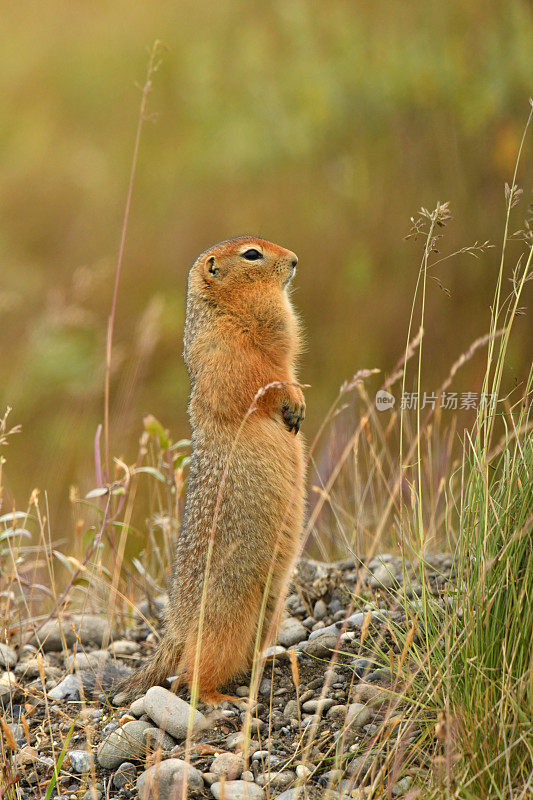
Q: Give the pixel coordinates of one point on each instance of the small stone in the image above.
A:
(385, 576)
(28, 755)
(291, 710)
(265, 687)
(124, 775)
(278, 780)
(302, 771)
(80, 760)
(379, 676)
(8, 656)
(359, 768)
(362, 667)
(337, 712)
(123, 744)
(317, 706)
(333, 629)
(157, 739)
(166, 780)
(358, 715)
(291, 631)
(276, 651)
(242, 691)
(170, 712)
(137, 707)
(123, 647)
(88, 629)
(322, 645)
(355, 620)
(94, 660)
(291, 794)
(68, 689)
(370, 692)
(247, 776)
(30, 668)
(93, 794)
(320, 610)
(237, 790)
(230, 765)
(402, 786)
(256, 725)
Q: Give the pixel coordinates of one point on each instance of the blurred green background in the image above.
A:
(320, 126)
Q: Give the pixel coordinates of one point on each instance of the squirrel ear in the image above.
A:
(211, 266)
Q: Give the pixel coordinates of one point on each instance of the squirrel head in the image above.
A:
(229, 266)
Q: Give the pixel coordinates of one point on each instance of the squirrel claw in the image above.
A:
(293, 416)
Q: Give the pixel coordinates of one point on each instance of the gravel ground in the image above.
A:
(295, 731)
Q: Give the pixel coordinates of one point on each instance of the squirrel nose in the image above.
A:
(294, 261)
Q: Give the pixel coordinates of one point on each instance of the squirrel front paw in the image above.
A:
(293, 409)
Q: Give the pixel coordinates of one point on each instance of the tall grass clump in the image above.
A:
(480, 656)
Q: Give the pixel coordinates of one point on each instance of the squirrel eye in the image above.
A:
(211, 268)
(252, 255)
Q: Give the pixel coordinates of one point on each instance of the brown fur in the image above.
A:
(241, 334)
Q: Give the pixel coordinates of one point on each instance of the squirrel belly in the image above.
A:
(244, 506)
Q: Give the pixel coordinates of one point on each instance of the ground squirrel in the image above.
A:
(245, 493)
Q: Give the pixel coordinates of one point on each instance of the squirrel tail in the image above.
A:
(163, 664)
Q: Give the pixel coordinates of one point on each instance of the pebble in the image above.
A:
(123, 744)
(356, 620)
(291, 710)
(8, 656)
(7, 687)
(137, 707)
(291, 631)
(170, 712)
(320, 610)
(155, 739)
(277, 780)
(291, 794)
(93, 794)
(317, 706)
(88, 629)
(230, 765)
(237, 790)
(166, 780)
(123, 647)
(337, 712)
(379, 676)
(302, 771)
(27, 755)
(276, 651)
(80, 760)
(322, 645)
(265, 687)
(124, 775)
(358, 715)
(369, 692)
(402, 786)
(79, 661)
(30, 668)
(68, 689)
(386, 575)
(332, 629)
